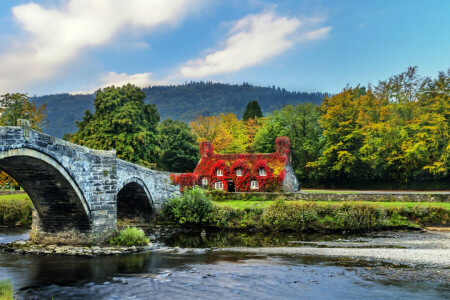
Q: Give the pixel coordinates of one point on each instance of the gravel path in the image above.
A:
(430, 249)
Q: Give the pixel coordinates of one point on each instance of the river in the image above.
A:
(179, 271)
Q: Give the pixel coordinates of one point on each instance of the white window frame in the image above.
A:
(238, 172)
(218, 185)
(219, 172)
(254, 185)
(262, 172)
(204, 181)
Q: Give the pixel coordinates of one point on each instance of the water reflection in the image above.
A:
(184, 273)
(245, 239)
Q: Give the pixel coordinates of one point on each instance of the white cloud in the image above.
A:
(252, 41)
(57, 35)
(120, 79)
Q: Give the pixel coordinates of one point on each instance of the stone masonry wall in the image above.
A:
(95, 176)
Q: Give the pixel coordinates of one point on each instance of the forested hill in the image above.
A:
(181, 102)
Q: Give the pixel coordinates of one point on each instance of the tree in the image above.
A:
(123, 122)
(342, 136)
(18, 106)
(213, 130)
(300, 124)
(226, 133)
(179, 149)
(252, 111)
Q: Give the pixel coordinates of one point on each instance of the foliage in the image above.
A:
(353, 216)
(178, 147)
(130, 236)
(7, 181)
(123, 122)
(178, 102)
(396, 131)
(15, 210)
(192, 207)
(282, 216)
(300, 124)
(186, 181)
(18, 106)
(226, 133)
(252, 111)
(6, 290)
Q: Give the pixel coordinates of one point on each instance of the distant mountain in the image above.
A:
(180, 102)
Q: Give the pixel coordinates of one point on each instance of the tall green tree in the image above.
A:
(123, 122)
(343, 137)
(179, 149)
(252, 111)
(300, 124)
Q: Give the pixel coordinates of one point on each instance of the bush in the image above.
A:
(192, 207)
(15, 211)
(6, 290)
(294, 216)
(356, 216)
(130, 236)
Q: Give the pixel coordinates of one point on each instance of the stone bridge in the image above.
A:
(79, 194)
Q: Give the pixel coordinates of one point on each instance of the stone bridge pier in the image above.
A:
(79, 194)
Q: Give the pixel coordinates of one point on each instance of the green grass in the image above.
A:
(14, 197)
(264, 204)
(130, 236)
(6, 290)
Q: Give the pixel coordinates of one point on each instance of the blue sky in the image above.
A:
(54, 46)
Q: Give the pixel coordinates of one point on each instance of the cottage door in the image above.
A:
(231, 186)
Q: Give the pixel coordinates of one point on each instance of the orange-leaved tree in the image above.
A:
(19, 106)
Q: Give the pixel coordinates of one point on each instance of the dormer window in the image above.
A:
(205, 181)
(262, 172)
(219, 173)
(238, 172)
(219, 185)
(254, 185)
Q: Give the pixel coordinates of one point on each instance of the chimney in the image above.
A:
(206, 149)
(283, 146)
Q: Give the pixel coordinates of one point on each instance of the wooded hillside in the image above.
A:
(182, 102)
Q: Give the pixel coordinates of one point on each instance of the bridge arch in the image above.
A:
(60, 204)
(134, 201)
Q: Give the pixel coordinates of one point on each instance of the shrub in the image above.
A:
(356, 216)
(284, 216)
(13, 211)
(192, 207)
(130, 236)
(6, 290)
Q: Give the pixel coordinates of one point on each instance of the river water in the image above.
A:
(187, 268)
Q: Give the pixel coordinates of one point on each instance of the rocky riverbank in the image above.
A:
(23, 247)
(414, 249)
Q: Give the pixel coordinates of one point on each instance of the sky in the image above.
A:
(79, 46)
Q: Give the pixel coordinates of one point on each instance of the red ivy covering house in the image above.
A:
(248, 172)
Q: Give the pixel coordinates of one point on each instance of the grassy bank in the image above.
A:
(15, 210)
(6, 290)
(195, 208)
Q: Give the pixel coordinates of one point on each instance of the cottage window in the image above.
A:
(239, 172)
(219, 173)
(262, 172)
(219, 185)
(205, 181)
(254, 185)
